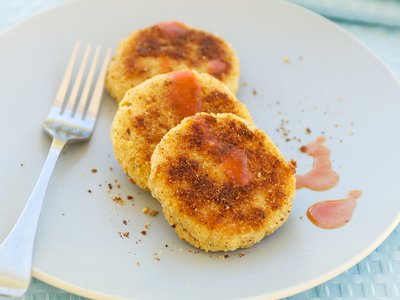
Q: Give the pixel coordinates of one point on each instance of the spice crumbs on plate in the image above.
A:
(93, 171)
(149, 211)
(144, 232)
(129, 197)
(125, 222)
(118, 199)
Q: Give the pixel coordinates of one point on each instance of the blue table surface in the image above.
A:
(377, 24)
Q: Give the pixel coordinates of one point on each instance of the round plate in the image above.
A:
(298, 71)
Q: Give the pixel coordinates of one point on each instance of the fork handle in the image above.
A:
(17, 248)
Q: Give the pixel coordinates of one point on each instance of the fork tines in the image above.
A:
(67, 103)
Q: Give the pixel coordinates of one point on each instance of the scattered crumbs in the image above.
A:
(131, 180)
(111, 169)
(89, 191)
(21, 164)
(93, 171)
(308, 130)
(138, 263)
(125, 222)
(286, 60)
(63, 214)
(129, 197)
(254, 91)
(241, 254)
(156, 257)
(226, 256)
(118, 186)
(301, 217)
(124, 234)
(166, 245)
(110, 186)
(100, 185)
(144, 232)
(117, 199)
(149, 211)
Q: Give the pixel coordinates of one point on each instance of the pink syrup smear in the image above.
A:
(184, 93)
(331, 214)
(233, 159)
(216, 67)
(172, 27)
(321, 177)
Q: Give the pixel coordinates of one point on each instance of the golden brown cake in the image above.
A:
(166, 47)
(153, 107)
(221, 182)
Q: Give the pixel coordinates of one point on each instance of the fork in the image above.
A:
(69, 120)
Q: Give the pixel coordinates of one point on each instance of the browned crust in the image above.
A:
(217, 204)
(193, 46)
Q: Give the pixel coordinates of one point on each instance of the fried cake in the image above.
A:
(158, 104)
(221, 182)
(166, 47)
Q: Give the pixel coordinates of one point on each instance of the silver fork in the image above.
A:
(69, 120)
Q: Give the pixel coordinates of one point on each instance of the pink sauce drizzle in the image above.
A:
(184, 93)
(233, 160)
(321, 177)
(172, 27)
(216, 67)
(331, 214)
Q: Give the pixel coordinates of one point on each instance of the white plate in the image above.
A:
(304, 69)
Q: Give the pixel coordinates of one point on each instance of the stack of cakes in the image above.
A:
(181, 133)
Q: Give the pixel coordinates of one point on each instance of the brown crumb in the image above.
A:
(109, 186)
(157, 258)
(241, 254)
(303, 149)
(149, 211)
(144, 232)
(89, 191)
(138, 263)
(94, 171)
(124, 234)
(111, 168)
(226, 256)
(129, 197)
(254, 91)
(125, 222)
(308, 130)
(117, 199)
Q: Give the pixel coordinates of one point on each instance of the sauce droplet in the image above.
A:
(331, 214)
(216, 67)
(184, 93)
(321, 177)
(234, 164)
(172, 27)
(232, 159)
